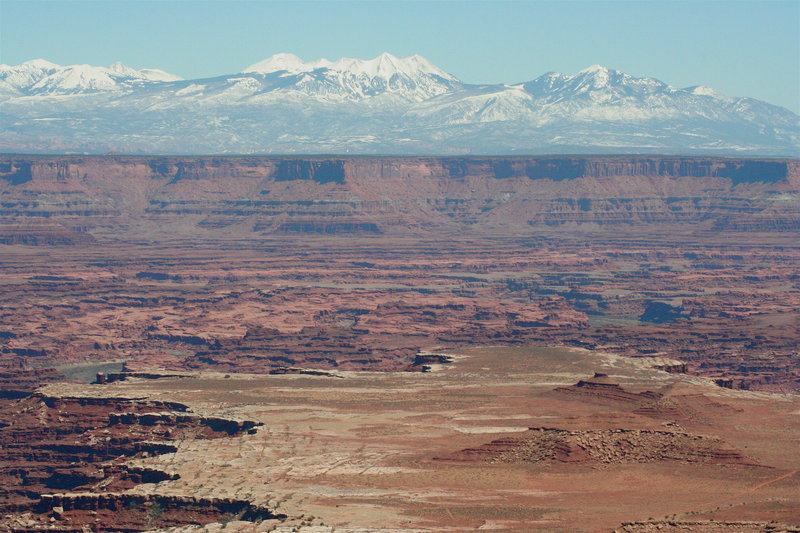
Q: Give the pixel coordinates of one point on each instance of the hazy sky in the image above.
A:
(741, 48)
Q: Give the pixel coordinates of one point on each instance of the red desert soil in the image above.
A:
(334, 292)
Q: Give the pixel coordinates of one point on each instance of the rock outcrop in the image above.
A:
(612, 446)
(706, 526)
(63, 464)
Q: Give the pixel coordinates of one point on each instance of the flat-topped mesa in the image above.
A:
(599, 379)
(172, 419)
(19, 169)
(601, 387)
(88, 197)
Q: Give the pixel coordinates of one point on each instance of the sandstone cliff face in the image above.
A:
(251, 196)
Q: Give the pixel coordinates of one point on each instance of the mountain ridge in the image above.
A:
(383, 105)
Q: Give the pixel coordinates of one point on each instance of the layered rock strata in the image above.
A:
(268, 264)
(109, 196)
(64, 464)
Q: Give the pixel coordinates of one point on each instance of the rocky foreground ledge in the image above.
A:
(65, 464)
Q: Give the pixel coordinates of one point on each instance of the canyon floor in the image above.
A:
(405, 345)
(388, 394)
(450, 449)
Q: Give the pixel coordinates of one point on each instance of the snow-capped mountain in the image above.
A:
(384, 105)
(411, 78)
(40, 77)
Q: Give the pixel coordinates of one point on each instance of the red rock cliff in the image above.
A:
(371, 195)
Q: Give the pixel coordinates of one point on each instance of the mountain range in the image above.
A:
(387, 105)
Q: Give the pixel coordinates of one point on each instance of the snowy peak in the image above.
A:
(86, 78)
(595, 82)
(384, 66)
(74, 79)
(283, 62)
(38, 64)
(156, 74)
(411, 78)
(387, 104)
(123, 70)
(594, 69)
(702, 90)
(598, 77)
(14, 78)
(596, 72)
(43, 77)
(151, 74)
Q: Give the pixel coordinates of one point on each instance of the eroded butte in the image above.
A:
(399, 344)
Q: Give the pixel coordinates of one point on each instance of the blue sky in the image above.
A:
(739, 47)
